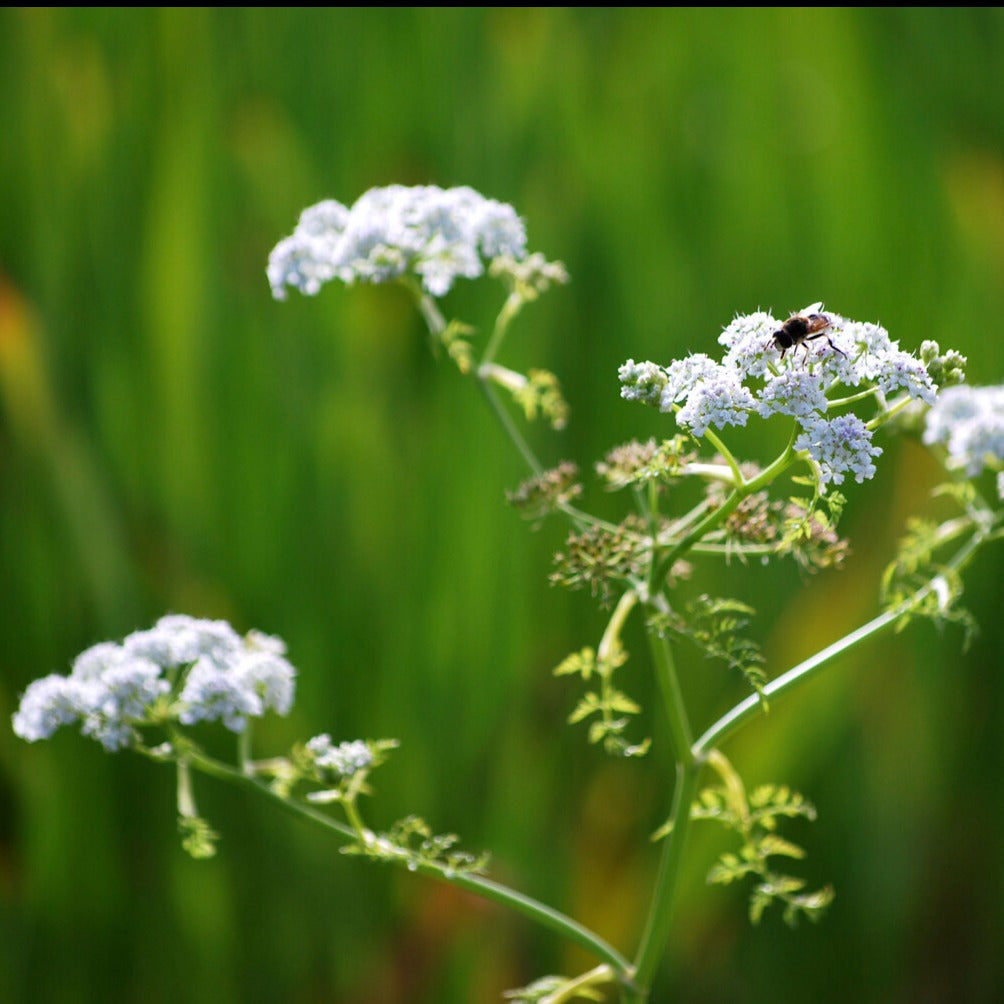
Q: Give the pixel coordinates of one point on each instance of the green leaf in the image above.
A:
(616, 701)
(578, 663)
(588, 705)
(772, 844)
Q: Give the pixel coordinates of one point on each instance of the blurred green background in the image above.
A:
(172, 439)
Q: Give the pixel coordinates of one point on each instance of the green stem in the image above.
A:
(612, 633)
(572, 990)
(244, 749)
(753, 705)
(534, 910)
(839, 402)
(186, 800)
(713, 472)
(355, 820)
(511, 307)
(718, 516)
(434, 320)
(510, 426)
(656, 932)
(725, 452)
(672, 698)
(890, 413)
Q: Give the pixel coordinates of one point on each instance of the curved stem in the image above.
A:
(510, 427)
(753, 705)
(534, 910)
(719, 515)
(611, 635)
(511, 307)
(713, 438)
(839, 402)
(572, 990)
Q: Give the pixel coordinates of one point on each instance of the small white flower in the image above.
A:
(841, 445)
(114, 689)
(47, 704)
(902, 371)
(643, 382)
(683, 375)
(969, 422)
(93, 662)
(796, 392)
(438, 234)
(270, 676)
(179, 640)
(749, 340)
(863, 339)
(717, 400)
(214, 694)
(346, 759)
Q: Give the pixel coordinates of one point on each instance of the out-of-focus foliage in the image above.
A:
(174, 440)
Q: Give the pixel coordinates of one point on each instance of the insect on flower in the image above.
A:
(802, 328)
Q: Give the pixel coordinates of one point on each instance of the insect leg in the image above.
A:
(829, 341)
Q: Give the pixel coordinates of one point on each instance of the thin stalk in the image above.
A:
(725, 452)
(890, 413)
(534, 910)
(572, 991)
(719, 515)
(656, 932)
(510, 427)
(612, 633)
(672, 698)
(753, 705)
(583, 519)
(434, 320)
(244, 750)
(355, 820)
(713, 472)
(680, 524)
(839, 402)
(511, 307)
(186, 800)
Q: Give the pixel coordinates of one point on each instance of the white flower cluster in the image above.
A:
(969, 422)
(842, 445)
(438, 234)
(345, 759)
(753, 378)
(211, 671)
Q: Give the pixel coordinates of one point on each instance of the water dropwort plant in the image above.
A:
(838, 387)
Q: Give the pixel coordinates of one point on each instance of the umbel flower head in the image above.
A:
(182, 669)
(969, 423)
(437, 234)
(757, 375)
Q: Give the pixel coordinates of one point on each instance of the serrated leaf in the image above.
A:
(782, 885)
(726, 872)
(578, 663)
(813, 903)
(758, 903)
(621, 702)
(772, 844)
(588, 705)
